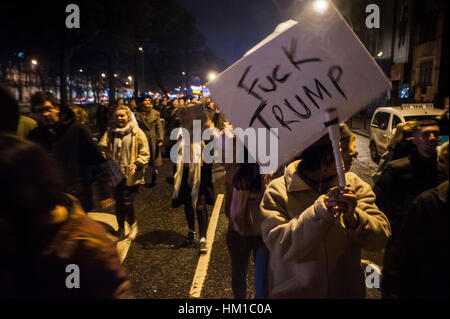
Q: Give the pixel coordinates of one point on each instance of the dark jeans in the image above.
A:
(240, 249)
(202, 208)
(124, 196)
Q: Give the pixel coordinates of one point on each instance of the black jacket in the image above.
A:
(402, 181)
(420, 267)
(79, 158)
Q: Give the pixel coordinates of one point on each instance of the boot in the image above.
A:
(190, 237)
(202, 246)
(134, 231)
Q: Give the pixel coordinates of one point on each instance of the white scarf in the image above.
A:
(122, 146)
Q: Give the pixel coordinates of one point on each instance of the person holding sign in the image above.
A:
(193, 186)
(315, 230)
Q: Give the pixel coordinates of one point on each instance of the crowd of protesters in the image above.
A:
(304, 232)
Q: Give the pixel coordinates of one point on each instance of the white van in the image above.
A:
(385, 119)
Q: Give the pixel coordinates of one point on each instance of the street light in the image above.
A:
(320, 6)
(103, 75)
(380, 54)
(34, 62)
(212, 76)
(81, 70)
(130, 78)
(140, 49)
(115, 75)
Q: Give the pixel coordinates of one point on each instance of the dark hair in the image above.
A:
(30, 181)
(317, 155)
(42, 96)
(247, 176)
(423, 123)
(8, 104)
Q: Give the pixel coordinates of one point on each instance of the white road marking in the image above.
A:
(122, 246)
(203, 261)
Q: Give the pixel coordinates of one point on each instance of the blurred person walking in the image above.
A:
(422, 245)
(401, 182)
(11, 119)
(213, 113)
(44, 232)
(245, 188)
(10, 111)
(101, 118)
(72, 145)
(149, 122)
(126, 144)
(193, 187)
(133, 106)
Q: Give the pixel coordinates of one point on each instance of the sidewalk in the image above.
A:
(359, 125)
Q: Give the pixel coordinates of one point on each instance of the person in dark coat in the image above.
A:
(213, 113)
(101, 118)
(10, 111)
(422, 247)
(402, 181)
(71, 144)
(149, 121)
(50, 248)
(405, 178)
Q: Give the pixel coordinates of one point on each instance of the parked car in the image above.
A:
(385, 119)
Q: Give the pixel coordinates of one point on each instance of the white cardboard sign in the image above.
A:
(289, 79)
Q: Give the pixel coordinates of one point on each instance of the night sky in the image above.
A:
(232, 27)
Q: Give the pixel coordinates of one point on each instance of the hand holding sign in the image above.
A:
(340, 200)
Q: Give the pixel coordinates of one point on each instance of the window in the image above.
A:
(396, 120)
(425, 72)
(381, 120)
(420, 117)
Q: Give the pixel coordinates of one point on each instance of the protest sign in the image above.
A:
(187, 114)
(288, 81)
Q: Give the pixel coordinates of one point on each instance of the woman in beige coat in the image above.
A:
(127, 146)
(315, 231)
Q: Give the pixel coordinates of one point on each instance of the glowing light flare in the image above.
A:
(212, 76)
(320, 6)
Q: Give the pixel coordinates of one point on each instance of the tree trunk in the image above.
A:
(136, 77)
(65, 70)
(19, 84)
(112, 79)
